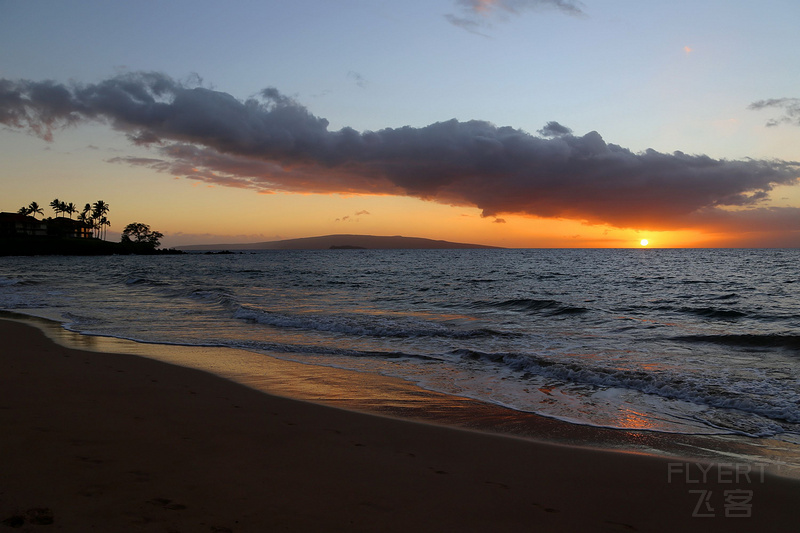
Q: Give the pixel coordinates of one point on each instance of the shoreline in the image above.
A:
(109, 441)
(397, 398)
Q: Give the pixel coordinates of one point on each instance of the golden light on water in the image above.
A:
(644, 242)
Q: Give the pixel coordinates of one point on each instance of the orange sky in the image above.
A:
(295, 119)
(192, 212)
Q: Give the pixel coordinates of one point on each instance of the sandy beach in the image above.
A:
(112, 442)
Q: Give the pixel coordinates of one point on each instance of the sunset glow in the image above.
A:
(572, 218)
(350, 144)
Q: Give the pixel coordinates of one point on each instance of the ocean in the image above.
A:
(692, 342)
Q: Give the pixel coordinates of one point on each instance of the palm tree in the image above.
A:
(24, 210)
(34, 209)
(105, 222)
(85, 216)
(99, 211)
(56, 205)
(70, 209)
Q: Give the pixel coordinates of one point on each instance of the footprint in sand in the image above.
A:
(40, 516)
(167, 504)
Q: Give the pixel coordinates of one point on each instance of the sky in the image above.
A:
(515, 123)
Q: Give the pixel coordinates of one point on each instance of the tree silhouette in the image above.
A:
(70, 209)
(83, 216)
(99, 211)
(141, 235)
(104, 223)
(56, 205)
(34, 209)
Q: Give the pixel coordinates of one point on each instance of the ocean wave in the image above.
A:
(729, 296)
(360, 324)
(213, 296)
(750, 424)
(713, 312)
(704, 312)
(11, 282)
(778, 407)
(770, 340)
(531, 305)
(76, 322)
(272, 348)
(143, 281)
(208, 294)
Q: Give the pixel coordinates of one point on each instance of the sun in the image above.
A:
(644, 242)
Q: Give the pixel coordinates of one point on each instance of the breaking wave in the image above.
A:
(533, 306)
(361, 324)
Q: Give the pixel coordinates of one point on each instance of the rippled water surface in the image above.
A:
(687, 341)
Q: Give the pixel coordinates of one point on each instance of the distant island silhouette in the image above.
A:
(341, 242)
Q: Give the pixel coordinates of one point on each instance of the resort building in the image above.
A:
(16, 225)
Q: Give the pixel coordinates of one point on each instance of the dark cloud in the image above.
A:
(554, 129)
(477, 14)
(272, 143)
(762, 219)
(790, 107)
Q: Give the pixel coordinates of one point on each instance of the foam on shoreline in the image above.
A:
(397, 398)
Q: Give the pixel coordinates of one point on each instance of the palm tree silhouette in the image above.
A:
(34, 209)
(70, 209)
(83, 216)
(56, 205)
(99, 211)
(104, 222)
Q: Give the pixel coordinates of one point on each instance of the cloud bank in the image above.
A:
(272, 143)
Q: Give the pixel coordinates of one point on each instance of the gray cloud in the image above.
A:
(760, 219)
(790, 107)
(471, 24)
(475, 15)
(516, 7)
(358, 79)
(272, 143)
(554, 129)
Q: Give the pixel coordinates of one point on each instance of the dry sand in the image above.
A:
(110, 442)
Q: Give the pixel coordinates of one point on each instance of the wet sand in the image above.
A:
(95, 441)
